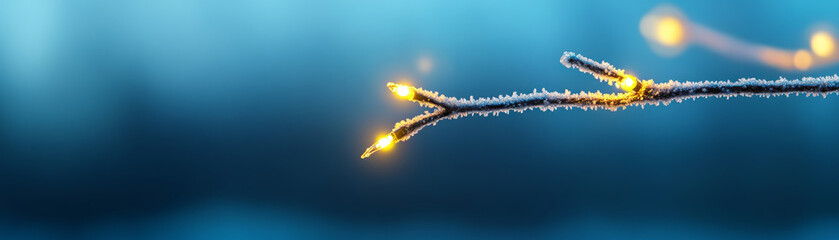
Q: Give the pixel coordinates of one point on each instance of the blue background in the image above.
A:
(245, 119)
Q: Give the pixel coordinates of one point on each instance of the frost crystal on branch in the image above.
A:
(637, 93)
(602, 71)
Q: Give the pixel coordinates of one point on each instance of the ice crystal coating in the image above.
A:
(602, 71)
(647, 92)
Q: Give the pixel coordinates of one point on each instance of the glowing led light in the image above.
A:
(802, 60)
(379, 145)
(669, 31)
(628, 83)
(402, 91)
(822, 44)
(384, 142)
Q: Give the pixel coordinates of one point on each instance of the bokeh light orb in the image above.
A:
(666, 30)
(802, 60)
(670, 31)
(822, 44)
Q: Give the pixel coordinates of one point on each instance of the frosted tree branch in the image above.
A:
(638, 93)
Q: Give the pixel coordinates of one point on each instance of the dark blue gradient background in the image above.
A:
(195, 119)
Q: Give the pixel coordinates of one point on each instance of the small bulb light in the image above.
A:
(384, 142)
(629, 84)
(401, 91)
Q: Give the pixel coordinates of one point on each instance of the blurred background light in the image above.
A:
(220, 119)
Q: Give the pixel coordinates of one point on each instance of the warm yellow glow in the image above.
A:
(777, 58)
(628, 83)
(403, 91)
(802, 60)
(822, 44)
(669, 31)
(384, 142)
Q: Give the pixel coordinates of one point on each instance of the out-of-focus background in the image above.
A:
(245, 119)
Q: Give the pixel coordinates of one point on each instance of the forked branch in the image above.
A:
(636, 93)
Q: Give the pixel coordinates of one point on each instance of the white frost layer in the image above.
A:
(567, 58)
(661, 93)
